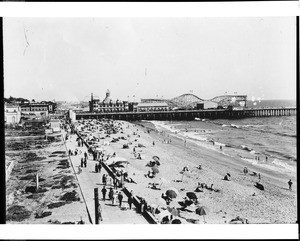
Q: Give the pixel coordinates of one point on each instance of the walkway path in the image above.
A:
(89, 179)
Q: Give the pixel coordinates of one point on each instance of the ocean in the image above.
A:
(266, 141)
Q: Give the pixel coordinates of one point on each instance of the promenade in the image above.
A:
(88, 180)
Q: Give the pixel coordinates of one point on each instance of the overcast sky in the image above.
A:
(70, 58)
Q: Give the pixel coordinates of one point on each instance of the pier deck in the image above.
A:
(190, 114)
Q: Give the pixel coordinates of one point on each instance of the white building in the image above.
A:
(155, 106)
(12, 114)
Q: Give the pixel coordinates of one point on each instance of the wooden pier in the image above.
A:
(190, 114)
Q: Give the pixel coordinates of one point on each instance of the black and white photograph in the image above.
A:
(150, 120)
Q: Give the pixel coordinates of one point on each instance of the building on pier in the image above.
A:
(154, 106)
(108, 105)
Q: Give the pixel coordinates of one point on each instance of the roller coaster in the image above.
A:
(190, 101)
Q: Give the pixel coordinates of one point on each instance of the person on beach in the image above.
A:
(115, 196)
(70, 152)
(153, 143)
(99, 167)
(245, 170)
(290, 184)
(81, 162)
(85, 155)
(104, 191)
(226, 178)
(115, 182)
(130, 199)
(120, 197)
(259, 177)
(104, 179)
(199, 167)
(96, 168)
(85, 163)
(221, 148)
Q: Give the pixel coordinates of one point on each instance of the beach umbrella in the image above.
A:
(171, 193)
(155, 158)
(174, 211)
(188, 202)
(176, 221)
(191, 195)
(174, 189)
(202, 211)
(155, 170)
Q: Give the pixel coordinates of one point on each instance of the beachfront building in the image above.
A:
(154, 106)
(12, 114)
(43, 106)
(210, 105)
(107, 104)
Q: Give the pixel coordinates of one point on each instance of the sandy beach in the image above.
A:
(225, 201)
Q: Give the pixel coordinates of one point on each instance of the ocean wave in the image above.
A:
(278, 166)
(280, 154)
(283, 164)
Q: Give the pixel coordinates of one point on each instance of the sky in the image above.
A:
(70, 58)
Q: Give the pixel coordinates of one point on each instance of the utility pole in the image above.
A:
(96, 205)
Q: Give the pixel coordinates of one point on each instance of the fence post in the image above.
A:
(37, 182)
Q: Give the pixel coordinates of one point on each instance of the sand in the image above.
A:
(56, 178)
(238, 197)
(275, 204)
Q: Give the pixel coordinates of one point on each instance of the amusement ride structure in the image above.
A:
(189, 101)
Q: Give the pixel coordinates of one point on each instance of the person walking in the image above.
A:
(290, 184)
(85, 155)
(115, 182)
(120, 197)
(81, 162)
(85, 163)
(99, 167)
(104, 179)
(113, 197)
(130, 199)
(104, 191)
(111, 193)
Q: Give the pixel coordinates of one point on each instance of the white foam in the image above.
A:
(194, 137)
(283, 164)
(284, 168)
